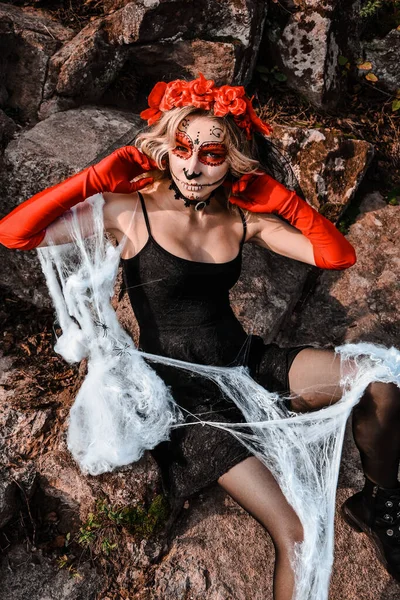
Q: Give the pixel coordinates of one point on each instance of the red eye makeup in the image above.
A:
(183, 146)
(212, 154)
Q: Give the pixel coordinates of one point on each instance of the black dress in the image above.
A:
(183, 311)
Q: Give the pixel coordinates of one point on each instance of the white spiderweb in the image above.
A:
(124, 408)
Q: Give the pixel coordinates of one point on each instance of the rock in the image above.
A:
(124, 311)
(8, 491)
(306, 47)
(113, 5)
(45, 155)
(329, 168)
(18, 431)
(268, 288)
(239, 22)
(84, 67)
(360, 303)
(7, 129)
(28, 38)
(218, 551)
(181, 59)
(6, 363)
(328, 165)
(383, 54)
(151, 21)
(54, 105)
(31, 575)
(20, 428)
(220, 38)
(61, 478)
(3, 93)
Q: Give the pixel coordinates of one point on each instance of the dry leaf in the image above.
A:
(365, 66)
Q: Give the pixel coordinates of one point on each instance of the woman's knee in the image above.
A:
(252, 485)
(315, 378)
(289, 535)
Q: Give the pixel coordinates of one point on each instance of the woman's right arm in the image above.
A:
(59, 232)
(25, 227)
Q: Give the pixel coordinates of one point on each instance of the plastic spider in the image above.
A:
(104, 327)
(121, 351)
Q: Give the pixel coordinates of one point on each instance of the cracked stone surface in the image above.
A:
(43, 156)
(360, 303)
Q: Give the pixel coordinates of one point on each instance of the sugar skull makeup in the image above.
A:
(198, 162)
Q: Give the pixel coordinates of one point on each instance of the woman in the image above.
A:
(196, 165)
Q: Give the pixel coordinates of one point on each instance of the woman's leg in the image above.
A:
(314, 379)
(252, 486)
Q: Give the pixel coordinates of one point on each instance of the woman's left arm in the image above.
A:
(330, 249)
(271, 232)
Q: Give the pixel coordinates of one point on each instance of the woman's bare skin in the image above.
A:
(212, 235)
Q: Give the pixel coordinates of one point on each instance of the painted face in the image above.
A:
(198, 162)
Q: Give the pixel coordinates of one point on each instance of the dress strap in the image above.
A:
(244, 226)
(146, 217)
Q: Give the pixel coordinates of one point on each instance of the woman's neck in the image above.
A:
(166, 194)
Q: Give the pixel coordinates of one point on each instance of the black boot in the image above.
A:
(376, 512)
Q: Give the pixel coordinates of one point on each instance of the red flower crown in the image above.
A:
(202, 93)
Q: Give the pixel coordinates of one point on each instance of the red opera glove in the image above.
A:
(266, 195)
(24, 227)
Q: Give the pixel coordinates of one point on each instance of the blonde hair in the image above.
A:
(156, 140)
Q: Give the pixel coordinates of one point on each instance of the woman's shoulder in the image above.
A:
(117, 208)
(114, 198)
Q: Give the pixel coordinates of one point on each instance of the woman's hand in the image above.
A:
(25, 226)
(261, 193)
(115, 172)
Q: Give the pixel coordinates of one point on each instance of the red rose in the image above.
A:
(176, 95)
(157, 94)
(229, 99)
(153, 113)
(201, 93)
(201, 90)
